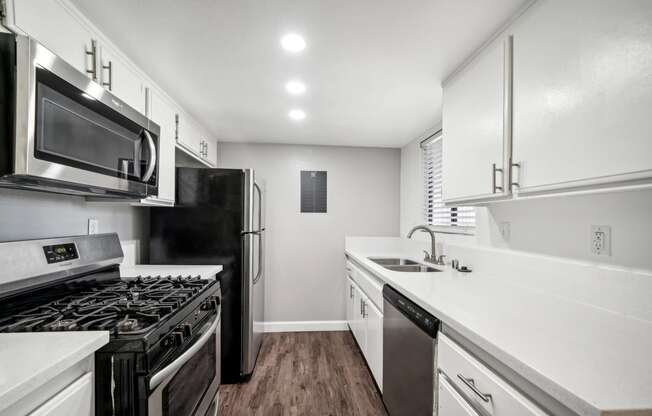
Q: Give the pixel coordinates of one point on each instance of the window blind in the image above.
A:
(434, 210)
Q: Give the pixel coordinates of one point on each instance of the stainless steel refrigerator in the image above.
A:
(218, 218)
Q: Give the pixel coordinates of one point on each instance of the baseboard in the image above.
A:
(304, 326)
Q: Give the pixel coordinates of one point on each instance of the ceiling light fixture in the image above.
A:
(295, 87)
(297, 114)
(293, 43)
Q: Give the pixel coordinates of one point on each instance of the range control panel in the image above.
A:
(60, 252)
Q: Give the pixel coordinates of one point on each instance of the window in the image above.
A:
(435, 212)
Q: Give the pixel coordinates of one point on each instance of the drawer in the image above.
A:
(369, 284)
(450, 402)
(74, 400)
(481, 386)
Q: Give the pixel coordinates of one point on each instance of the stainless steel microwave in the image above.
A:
(62, 132)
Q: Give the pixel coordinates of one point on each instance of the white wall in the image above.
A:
(558, 226)
(29, 214)
(305, 252)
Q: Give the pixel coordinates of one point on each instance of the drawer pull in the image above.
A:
(470, 383)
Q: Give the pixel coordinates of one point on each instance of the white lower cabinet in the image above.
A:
(374, 353)
(451, 403)
(74, 400)
(481, 387)
(365, 320)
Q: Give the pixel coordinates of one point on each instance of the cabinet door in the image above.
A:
(473, 129)
(163, 114)
(189, 135)
(211, 150)
(122, 79)
(74, 400)
(54, 26)
(358, 328)
(583, 93)
(451, 403)
(350, 308)
(374, 352)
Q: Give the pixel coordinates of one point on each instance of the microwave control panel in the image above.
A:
(60, 252)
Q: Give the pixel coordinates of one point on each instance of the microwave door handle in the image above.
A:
(152, 157)
(175, 365)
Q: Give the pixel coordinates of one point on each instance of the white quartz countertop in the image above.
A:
(592, 360)
(29, 360)
(205, 272)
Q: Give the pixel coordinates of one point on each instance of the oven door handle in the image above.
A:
(152, 156)
(175, 365)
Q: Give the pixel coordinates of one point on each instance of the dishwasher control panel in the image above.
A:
(412, 311)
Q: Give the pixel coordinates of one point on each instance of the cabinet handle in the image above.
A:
(351, 291)
(93, 54)
(176, 127)
(514, 180)
(364, 309)
(360, 306)
(109, 84)
(493, 178)
(470, 383)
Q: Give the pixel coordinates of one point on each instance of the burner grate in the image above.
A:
(120, 306)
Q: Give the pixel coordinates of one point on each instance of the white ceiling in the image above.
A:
(373, 67)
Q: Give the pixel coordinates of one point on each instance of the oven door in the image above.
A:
(189, 385)
(73, 132)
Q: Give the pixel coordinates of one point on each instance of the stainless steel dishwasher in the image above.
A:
(409, 356)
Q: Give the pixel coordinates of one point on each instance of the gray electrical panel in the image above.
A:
(313, 191)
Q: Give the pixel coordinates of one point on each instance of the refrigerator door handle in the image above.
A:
(259, 273)
(260, 205)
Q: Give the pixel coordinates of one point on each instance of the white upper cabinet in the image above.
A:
(210, 152)
(476, 141)
(582, 93)
(195, 141)
(189, 135)
(163, 113)
(121, 79)
(54, 26)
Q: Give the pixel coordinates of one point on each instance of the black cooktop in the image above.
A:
(129, 306)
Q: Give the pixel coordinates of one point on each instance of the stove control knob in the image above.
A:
(173, 340)
(178, 338)
(209, 305)
(186, 330)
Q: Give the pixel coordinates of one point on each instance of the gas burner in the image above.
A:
(128, 325)
(121, 306)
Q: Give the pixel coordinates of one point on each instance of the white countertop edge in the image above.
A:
(93, 342)
(557, 392)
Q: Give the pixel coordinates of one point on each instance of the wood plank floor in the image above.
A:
(305, 373)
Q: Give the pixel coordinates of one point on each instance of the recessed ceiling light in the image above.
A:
(295, 87)
(293, 43)
(297, 114)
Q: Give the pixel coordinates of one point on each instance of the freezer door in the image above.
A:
(253, 291)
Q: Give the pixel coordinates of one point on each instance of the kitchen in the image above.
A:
(351, 208)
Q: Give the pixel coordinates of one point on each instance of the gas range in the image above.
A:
(160, 327)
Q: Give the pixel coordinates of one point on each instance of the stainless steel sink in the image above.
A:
(392, 262)
(403, 265)
(414, 268)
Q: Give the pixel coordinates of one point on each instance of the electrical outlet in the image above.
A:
(506, 230)
(93, 226)
(601, 240)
